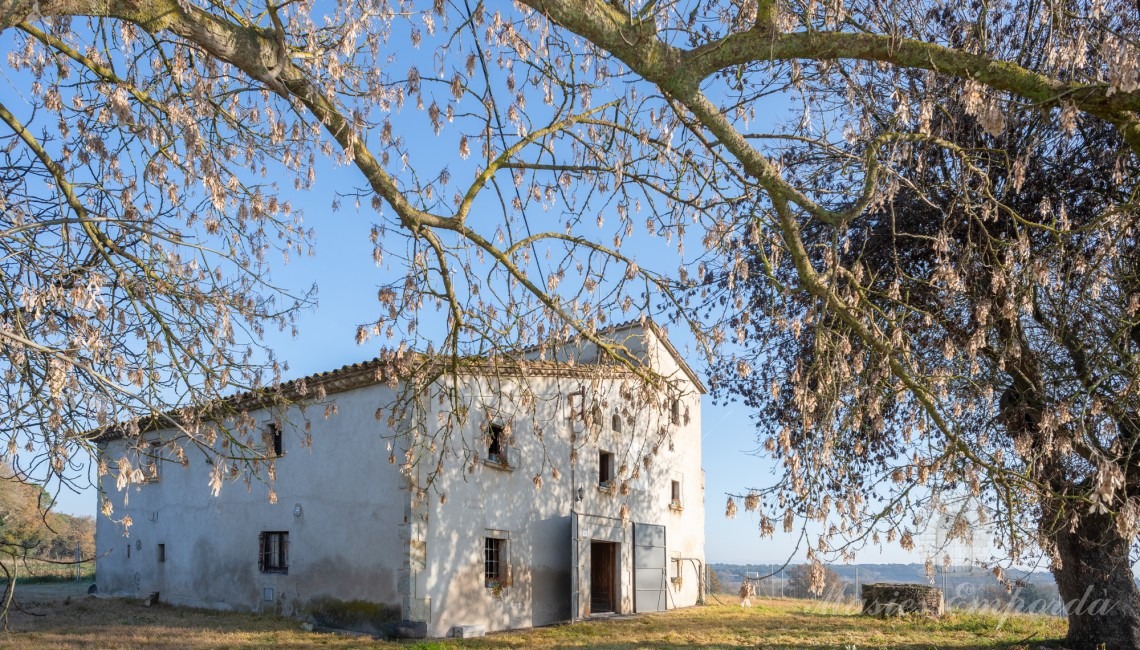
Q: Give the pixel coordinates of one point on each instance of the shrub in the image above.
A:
(356, 615)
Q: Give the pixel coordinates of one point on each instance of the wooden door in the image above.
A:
(603, 571)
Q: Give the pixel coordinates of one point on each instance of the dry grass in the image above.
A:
(784, 624)
(71, 619)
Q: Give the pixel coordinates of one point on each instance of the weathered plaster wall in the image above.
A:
(345, 543)
(362, 536)
(487, 500)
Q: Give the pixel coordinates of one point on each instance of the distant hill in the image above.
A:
(876, 573)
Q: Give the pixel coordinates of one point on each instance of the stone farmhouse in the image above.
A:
(545, 490)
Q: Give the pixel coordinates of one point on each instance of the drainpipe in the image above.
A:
(576, 578)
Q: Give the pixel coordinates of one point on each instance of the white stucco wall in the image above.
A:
(492, 501)
(362, 535)
(344, 544)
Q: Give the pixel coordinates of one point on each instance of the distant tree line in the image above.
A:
(1034, 594)
(797, 579)
(28, 530)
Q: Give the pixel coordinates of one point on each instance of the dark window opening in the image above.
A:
(615, 423)
(273, 441)
(605, 468)
(128, 551)
(675, 412)
(496, 447)
(675, 495)
(493, 573)
(162, 552)
(274, 555)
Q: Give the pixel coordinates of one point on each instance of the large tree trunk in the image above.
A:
(1094, 576)
(1096, 584)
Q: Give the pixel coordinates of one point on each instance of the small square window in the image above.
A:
(605, 468)
(497, 444)
(151, 471)
(576, 406)
(161, 552)
(152, 467)
(494, 575)
(274, 555)
(675, 494)
(597, 418)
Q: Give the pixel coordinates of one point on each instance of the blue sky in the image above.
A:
(343, 269)
(347, 279)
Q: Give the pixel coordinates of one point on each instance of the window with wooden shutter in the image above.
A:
(274, 552)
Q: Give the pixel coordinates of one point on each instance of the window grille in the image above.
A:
(493, 574)
(274, 555)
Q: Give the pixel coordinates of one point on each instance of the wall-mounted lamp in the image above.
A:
(297, 510)
(581, 493)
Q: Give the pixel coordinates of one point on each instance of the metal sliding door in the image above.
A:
(650, 569)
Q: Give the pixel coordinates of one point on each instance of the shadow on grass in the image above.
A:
(820, 644)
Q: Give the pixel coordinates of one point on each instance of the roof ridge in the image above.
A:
(371, 371)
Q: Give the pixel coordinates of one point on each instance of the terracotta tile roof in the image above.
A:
(389, 368)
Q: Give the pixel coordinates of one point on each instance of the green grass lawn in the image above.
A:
(68, 618)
